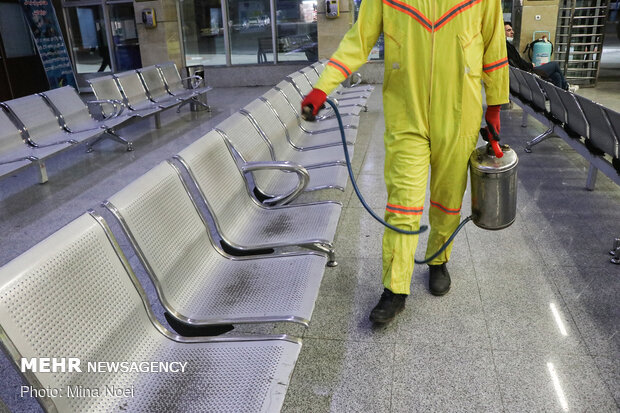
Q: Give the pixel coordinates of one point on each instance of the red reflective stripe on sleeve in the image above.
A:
(340, 66)
(495, 65)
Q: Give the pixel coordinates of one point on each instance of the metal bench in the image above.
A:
(325, 126)
(299, 136)
(254, 146)
(197, 282)
(136, 98)
(75, 295)
(107, 88)
(41, 124)
(355, 89)
(174, 84)
(155, 87)
(241, 221)
(75, 116)
(568, 120)
(16, 153)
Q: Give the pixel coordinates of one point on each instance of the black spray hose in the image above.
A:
(371, 212)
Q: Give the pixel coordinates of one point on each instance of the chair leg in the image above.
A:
(116, 137)
(591, 181)
(203, 104)
(524, 120)
(615, 251)
(545, 135)
(42, 172)
(111, 134)
(89, 146)
(157, 121)
(181, 105)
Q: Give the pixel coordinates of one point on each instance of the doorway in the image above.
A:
(21, 69)
(95, 25)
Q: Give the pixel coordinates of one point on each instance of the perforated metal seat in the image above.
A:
(135, 94)
(14, 153)
(254, 146)
(155, 87)
(600, 132)
(353, 91)
(300, 137)
(107, 88)
(303, 87)
(74, 295)
(74, 115)
(324, 126)
(42, 124)
(199, 283)
(514, 83)
(272, 129)
(524, 90)
(556, 108)
(241, 221)
(538, 98)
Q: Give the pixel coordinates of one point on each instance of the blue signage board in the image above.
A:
(47, 36)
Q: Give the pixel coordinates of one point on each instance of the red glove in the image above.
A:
(491, 132)
(492, 118)
(316, 98)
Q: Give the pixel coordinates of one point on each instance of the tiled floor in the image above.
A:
(531, 323)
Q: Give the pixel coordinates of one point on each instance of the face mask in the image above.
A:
(509, 39)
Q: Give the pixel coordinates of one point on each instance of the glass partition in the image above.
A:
(297, 30)
(250, 31)
(203, 32)
(89, 44)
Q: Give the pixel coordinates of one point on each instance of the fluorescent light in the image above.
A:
(558, 319)
(558, 388)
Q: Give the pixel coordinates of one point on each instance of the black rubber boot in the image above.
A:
(439, 279)
(389, 305)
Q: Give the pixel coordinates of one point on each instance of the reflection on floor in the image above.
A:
(531, 323)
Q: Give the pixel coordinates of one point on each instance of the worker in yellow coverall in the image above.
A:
(436, 54)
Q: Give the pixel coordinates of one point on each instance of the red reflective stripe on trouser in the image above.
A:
(449, 211)
(399, 209)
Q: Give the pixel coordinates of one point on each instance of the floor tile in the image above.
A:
(335, 376)
(591, 296)
(551, 383)
(429, 379)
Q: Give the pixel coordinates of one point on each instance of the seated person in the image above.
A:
(549, 71)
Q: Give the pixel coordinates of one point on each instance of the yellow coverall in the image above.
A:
(436, 53)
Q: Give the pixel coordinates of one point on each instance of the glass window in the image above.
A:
(90, 45)
(203, 32)
(14, 31)
(297, 30)
(250, 31)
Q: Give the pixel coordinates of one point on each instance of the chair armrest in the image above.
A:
(197, 80)
(285, 166)
(117, 106)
